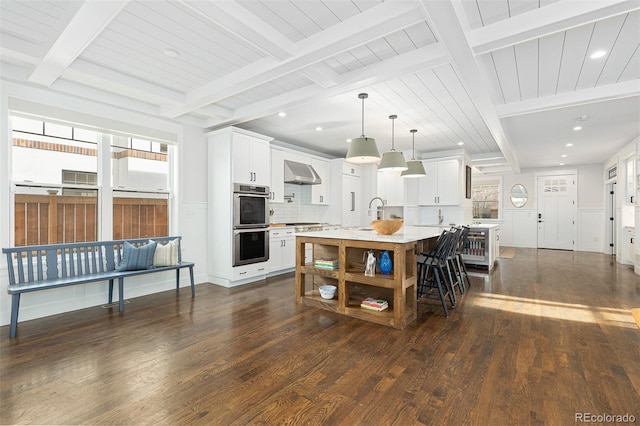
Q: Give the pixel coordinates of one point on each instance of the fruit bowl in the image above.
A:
(387, 226)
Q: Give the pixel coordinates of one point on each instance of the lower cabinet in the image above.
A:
(282, 249)
(249, 271)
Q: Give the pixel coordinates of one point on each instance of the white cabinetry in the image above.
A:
(319, 192)
(628, 246)
(630, 180)
(231, 151)
(441, 186)
(282, 249)
(277, 176)
(250, 160)
(391, 188)
(346, 193)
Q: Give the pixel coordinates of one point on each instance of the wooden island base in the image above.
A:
(398, 287)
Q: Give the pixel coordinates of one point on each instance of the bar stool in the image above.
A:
(462, 267)
(431, 271)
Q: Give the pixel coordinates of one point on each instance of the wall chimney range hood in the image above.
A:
(300, 173)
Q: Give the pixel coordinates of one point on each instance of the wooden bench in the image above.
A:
(43, 267)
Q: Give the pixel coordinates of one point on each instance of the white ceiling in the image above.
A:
(509, 78)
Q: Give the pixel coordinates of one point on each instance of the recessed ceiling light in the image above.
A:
(318, 128)
(564, 156)
(172, 53)
(460, 143)
(598, 54)
(282, 114)
(562, 164)
(569, 145)
(348, 140)
(577, 128)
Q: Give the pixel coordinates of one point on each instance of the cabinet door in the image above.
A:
(350, 202)
(277, 176)
(319, 192)
(260, 163)
(275, 254)
(288, 252)
(428, 185)
(250, 164)
(448, 182)
(241, 157)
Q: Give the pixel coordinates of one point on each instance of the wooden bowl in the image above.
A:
(387, 226)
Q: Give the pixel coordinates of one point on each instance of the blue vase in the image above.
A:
(385, 262)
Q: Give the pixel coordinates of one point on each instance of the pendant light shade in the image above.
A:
(415, 167)
(393, 161)
(363, 149)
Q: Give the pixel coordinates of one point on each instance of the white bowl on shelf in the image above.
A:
(327, 291)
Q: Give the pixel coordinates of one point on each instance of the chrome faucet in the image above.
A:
(440, 217)
(379, 209)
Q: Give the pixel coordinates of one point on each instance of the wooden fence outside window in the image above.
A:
(54, 219)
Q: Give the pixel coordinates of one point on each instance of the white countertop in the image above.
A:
(485, 225)
(406, 234)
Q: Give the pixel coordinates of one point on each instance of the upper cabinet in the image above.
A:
(391, 188)
(277, 175)
(319, 192)
(441, 186)
(250, 160)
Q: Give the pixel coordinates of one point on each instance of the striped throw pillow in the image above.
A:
(166, 255)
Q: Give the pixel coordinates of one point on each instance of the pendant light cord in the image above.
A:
(362, 118)
(413, 144)
(393, 131)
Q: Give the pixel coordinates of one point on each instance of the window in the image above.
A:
(486, 199)
(57, 184)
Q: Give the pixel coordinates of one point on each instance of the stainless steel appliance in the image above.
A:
(250, 246)
(250, 224)
(250, 206)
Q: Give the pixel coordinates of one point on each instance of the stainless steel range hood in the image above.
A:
(300, 173)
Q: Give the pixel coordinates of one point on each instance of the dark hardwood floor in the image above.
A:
(546, 335)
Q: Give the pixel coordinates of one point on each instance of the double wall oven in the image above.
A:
(250, 224)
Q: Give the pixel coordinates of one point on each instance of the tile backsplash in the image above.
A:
(299, 209)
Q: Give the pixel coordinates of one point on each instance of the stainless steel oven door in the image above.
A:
(250, 211)
(250, 246)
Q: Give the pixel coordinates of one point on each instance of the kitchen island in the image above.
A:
(344, 251)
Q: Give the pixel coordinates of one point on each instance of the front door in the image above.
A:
(556, 211)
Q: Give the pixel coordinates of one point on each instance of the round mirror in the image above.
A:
(518, 195)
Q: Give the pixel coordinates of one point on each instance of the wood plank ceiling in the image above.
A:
(507, 78)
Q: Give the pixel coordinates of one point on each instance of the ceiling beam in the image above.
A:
(86, 24)
(239, 22)
(424, 58)
(604, 93)
(371, 24)
(444, 21)
(546, 20)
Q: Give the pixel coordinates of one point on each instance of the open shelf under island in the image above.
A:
(349, 247)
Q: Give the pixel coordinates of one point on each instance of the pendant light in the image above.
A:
(415, 167)
(363, 149)
(393, 161)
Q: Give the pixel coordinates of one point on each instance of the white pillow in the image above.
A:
(166, 255)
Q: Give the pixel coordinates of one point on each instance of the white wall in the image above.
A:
(189, 205)
(519, 225)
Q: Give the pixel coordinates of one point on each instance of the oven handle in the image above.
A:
(243, 231)
(242, 194)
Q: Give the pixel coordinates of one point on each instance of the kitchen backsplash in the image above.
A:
(299, 209)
